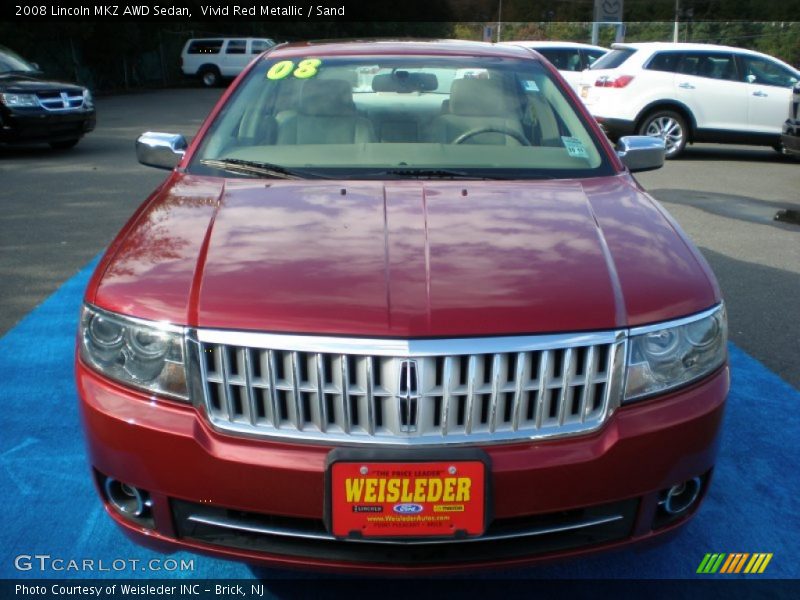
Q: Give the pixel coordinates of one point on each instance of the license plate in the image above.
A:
(415, 499)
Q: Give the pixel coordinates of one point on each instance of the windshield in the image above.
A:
(12, 62)
(400, 117)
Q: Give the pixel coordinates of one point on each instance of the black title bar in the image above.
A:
(374, 10)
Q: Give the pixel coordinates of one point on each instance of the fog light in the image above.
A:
(680, 498)
(127, 500)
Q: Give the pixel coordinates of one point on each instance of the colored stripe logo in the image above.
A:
(740, 562)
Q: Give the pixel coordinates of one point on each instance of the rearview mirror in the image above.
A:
(160, 150)
(641, 152)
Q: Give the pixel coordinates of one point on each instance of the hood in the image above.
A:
(32, 83)
(405, 258)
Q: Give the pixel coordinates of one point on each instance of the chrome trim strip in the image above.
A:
(273, 391)
(588, 384)
(447, 386)
(251, 392)
(239, 525)
(370, 397)
(226, 388)
(346, 394)
(297, 400)
(544, 367)
(677, 322)
(323, 413)
(518, 390)
(160, 325)
(205, 401)
(403, 348)
(362, 438)
(566, 369)
(496, 360)
(472, 366)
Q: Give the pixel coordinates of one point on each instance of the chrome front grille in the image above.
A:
(61, 100)
(407, 392)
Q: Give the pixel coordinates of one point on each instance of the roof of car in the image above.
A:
(654, 46)
(679, 46)
(551, 44)
(394, 46)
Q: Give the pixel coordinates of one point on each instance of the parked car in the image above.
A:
(431, 324)
(687, 93)
(570, 58)
(214, 59)
(34, 108)
(790, 138)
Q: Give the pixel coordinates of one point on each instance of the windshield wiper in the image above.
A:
(433, 174)
(252, 167)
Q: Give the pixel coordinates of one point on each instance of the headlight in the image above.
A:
(88, 101)
(669, 355)
(19, 100)
(143, 354)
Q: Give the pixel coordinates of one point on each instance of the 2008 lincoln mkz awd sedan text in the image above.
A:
(401, 307)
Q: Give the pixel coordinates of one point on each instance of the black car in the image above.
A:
(790, 140)
(35, 109)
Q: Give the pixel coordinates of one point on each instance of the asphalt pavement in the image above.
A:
(60, 209)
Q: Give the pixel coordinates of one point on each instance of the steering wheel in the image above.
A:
(509, 132)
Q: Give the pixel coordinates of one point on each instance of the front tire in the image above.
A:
(668, 125)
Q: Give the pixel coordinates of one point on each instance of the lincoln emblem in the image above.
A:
(408, 394)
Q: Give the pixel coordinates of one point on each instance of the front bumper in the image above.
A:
(188, 469)
(39, 125)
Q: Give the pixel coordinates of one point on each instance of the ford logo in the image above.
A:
(407, 509)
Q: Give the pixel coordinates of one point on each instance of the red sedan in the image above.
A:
(400, 305)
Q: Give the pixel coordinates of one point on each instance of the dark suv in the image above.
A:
(35, 109)
(790, 139)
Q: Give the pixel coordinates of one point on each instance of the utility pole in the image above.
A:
(675, 32)
(499, 20)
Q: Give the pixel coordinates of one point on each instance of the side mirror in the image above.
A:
(641, 152)
(160, 150)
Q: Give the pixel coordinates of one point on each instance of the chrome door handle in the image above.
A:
(760, 94)
(686, 86)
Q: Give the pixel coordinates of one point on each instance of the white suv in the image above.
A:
(689, 93)
(570, 58)
(212, 59)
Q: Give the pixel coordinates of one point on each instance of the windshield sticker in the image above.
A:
(305, 69)
(530, 86)
(574, 147)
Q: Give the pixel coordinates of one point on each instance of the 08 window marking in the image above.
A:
(306, 69)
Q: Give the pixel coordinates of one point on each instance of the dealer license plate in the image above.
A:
(415, 499)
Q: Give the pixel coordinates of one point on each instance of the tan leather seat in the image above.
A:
(476, 104)
(326, 115)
